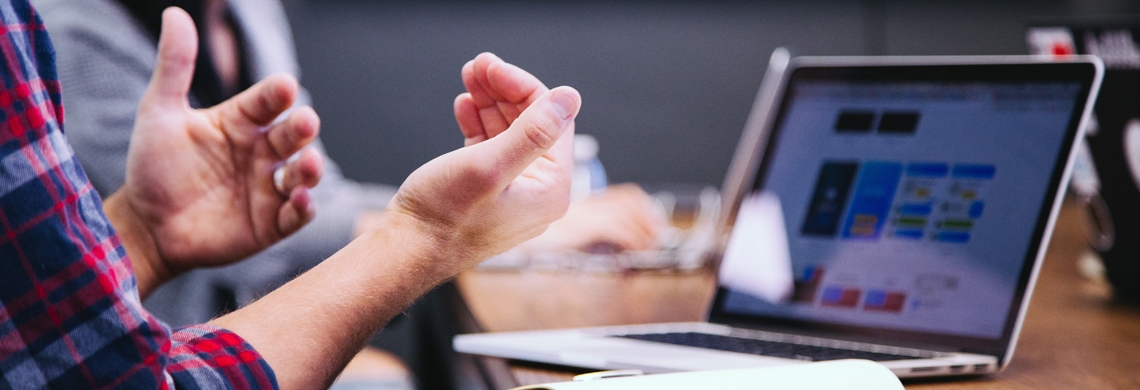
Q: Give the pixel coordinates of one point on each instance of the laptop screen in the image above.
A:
(907, 205)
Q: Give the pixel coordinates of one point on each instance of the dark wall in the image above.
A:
(666, 85)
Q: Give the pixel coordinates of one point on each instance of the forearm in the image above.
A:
(139, 244)
(309, 328)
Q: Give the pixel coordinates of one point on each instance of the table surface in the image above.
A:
(1074, 337)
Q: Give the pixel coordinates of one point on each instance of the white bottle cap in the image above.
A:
(585, 147)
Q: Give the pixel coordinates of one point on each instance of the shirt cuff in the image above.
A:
(204, 356)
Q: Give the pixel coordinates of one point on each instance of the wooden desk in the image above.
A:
(1074, 336)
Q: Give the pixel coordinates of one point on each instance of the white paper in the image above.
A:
(832, 375)
(757, 261)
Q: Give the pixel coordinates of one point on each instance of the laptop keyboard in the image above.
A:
(763, 347)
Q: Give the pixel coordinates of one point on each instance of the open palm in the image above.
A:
(202, 180)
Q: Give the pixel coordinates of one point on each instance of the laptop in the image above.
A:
(913, 200)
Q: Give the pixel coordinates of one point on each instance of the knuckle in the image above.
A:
(541, 132)
(266, 100)
(177, 59)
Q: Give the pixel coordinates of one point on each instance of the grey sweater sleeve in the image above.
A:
(105, 60)
(102, 85)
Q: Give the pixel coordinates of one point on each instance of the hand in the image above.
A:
(513, 176)
(509, 182)
(621, 218)
(199, 183)
(497, 93)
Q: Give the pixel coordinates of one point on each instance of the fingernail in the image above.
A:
(563, 104)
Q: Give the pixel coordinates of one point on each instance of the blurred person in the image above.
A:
(106, 51)
(201, 189)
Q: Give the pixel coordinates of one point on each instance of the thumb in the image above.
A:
(177, 52)
(535, 131)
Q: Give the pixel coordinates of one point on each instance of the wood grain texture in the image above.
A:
(1075, 336)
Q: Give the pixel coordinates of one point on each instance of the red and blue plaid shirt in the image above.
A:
(70, 315)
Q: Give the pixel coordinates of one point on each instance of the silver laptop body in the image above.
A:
(915, 198)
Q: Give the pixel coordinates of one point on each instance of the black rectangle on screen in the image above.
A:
(854, 121)
(898, 122)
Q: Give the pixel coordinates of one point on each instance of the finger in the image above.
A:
(514, 84)
(637, 240)
(487, 109)
(467, 115)
(484, 95)
(305, 171)
(649, 220)
(516, 90)
(616, 236)
(500, 90)
(174, 66)
(638, 232)
(494, 121)
(647, 237)
(631, 219)
(478, 94)
(298, 210)
(639, 235)
(296, 132)
(621, 233)
(535, 132)
(257, 106)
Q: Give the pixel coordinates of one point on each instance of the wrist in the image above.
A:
(338, 303)
(142, 249)
(434, 252)
(364, 221)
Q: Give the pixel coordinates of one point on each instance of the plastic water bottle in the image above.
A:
(589, 174)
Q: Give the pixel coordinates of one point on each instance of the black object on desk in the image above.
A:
(1113, 139)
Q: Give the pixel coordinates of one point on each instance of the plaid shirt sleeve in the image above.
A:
(70, 314)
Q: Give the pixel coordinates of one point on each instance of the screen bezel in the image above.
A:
(913, 69)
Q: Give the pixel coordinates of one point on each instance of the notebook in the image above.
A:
(830, 375)
(894, 209)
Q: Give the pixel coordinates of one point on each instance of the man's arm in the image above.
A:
(450, 214)
(504, 187)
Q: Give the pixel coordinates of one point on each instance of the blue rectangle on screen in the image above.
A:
(916, 209)
(914, 234)
(974, 171)
(976, 209)
(832, 295)
(871, 201)
(955, 237)
(927, 169)
(875, 298)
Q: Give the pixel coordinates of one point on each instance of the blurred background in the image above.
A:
(667, 85)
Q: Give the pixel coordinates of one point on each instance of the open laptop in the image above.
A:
(914, 200)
